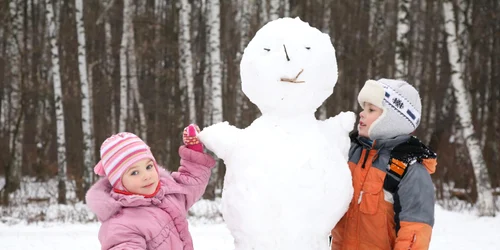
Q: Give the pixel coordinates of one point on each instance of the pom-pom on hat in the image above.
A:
(118, 153)
(400, 103)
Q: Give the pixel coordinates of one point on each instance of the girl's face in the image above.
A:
(141, 178)
(367, 116)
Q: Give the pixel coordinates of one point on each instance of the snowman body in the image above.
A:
(287, 182)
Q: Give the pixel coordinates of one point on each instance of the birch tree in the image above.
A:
(403, 27)
(132, 67)
(378, 34)
(264, 13)
(213, 23)
(4, 108)
(186, 58)
(207, 78)
(485, 201)
(86, 88)
(109, 73)
(286, 7)
(274, 9)
(415, 64)
(128, 72)
(56, 80)
(215, 61)
(244, 19)
(124, 102)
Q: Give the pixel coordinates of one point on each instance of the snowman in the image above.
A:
(287, 181)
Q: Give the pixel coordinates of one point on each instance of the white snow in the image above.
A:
(287, 181)
(453, 230)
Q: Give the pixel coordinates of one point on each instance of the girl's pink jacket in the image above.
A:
(134, 222)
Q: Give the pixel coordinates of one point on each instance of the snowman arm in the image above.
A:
(220, 138)
(336, 130)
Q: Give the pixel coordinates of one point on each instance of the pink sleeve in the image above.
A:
(120, 237)
(193, 173)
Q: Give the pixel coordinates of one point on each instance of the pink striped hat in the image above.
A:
(118, 153)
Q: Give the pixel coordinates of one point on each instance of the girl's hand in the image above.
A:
(190, 138)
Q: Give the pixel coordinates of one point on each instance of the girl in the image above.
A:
(140, 205)
(393, 201)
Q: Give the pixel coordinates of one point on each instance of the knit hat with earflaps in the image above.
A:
(400, 103)
(118, 153)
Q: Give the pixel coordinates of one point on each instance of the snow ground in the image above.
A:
(453, 230)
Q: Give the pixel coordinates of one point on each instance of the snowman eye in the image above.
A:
(266, 49)
(308, 48)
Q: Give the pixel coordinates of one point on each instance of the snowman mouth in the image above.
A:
(293, 80)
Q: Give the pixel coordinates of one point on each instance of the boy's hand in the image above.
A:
(190, 139)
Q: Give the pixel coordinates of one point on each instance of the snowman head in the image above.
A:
(288, 68)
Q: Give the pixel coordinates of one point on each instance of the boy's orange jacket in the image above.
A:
(376, 218)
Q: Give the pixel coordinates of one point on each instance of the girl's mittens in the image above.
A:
(190, 139)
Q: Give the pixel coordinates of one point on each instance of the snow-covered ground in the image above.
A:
(453, 230)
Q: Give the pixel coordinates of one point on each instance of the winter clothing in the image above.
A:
(118, 153)
(400, 103)
(136, 222)
(378, 219)
(190, 139)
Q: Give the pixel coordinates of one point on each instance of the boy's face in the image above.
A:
(141, 178)
(367, 116)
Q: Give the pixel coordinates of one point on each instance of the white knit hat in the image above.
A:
(400, 103)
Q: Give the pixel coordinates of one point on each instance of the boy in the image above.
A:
(393, 201)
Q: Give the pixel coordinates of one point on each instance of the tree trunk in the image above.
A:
(87, 121)
(17, 108)
(56, 79)
(186, 58)
(215, 61)
(402, 39)
(244, 20)
(11, 114)
(264, 12)
(207, 91)
(109, 71)
(286, 8)
(126, 35)
(274, 8)
(28, 90)
(216, 82)
(132, 67)
(415, 59)
(485, 202)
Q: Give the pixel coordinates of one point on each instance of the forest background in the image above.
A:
(73, 72)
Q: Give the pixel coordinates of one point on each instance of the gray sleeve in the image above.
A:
(416, 195)
(355, 148)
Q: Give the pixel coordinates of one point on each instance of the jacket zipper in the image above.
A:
(365, 157)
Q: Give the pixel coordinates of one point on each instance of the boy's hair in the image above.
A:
(118, 153)
(400, 103)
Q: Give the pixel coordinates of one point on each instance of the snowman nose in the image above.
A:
(286, 53)
(293, 80)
